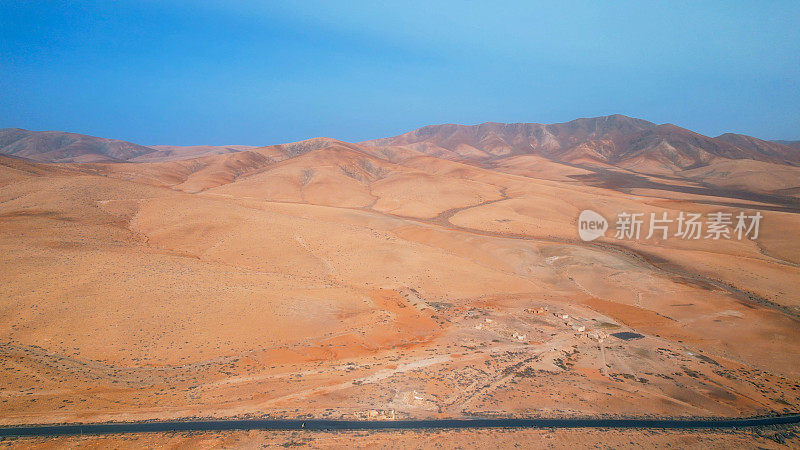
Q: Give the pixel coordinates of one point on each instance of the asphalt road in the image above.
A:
(322, 424)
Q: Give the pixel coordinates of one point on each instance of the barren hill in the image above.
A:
(59, 146)
(435, 274)
(617, 140)
(792, 144)
(177, 152)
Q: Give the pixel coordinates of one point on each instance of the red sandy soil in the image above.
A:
(774, 438)
(327, 279)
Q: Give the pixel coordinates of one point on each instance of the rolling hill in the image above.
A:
(614, 140)
(434, 274)
(60, 146)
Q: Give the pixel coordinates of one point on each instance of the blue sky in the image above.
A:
(242, 72)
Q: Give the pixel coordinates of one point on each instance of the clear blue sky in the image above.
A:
(242, 72)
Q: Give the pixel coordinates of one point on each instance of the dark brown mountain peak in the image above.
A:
(758, 147)
(59, 146)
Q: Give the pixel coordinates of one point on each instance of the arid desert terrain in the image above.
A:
(434, 274)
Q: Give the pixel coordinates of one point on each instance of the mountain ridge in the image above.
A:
(616, 140)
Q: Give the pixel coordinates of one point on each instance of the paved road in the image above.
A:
(320, 424)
